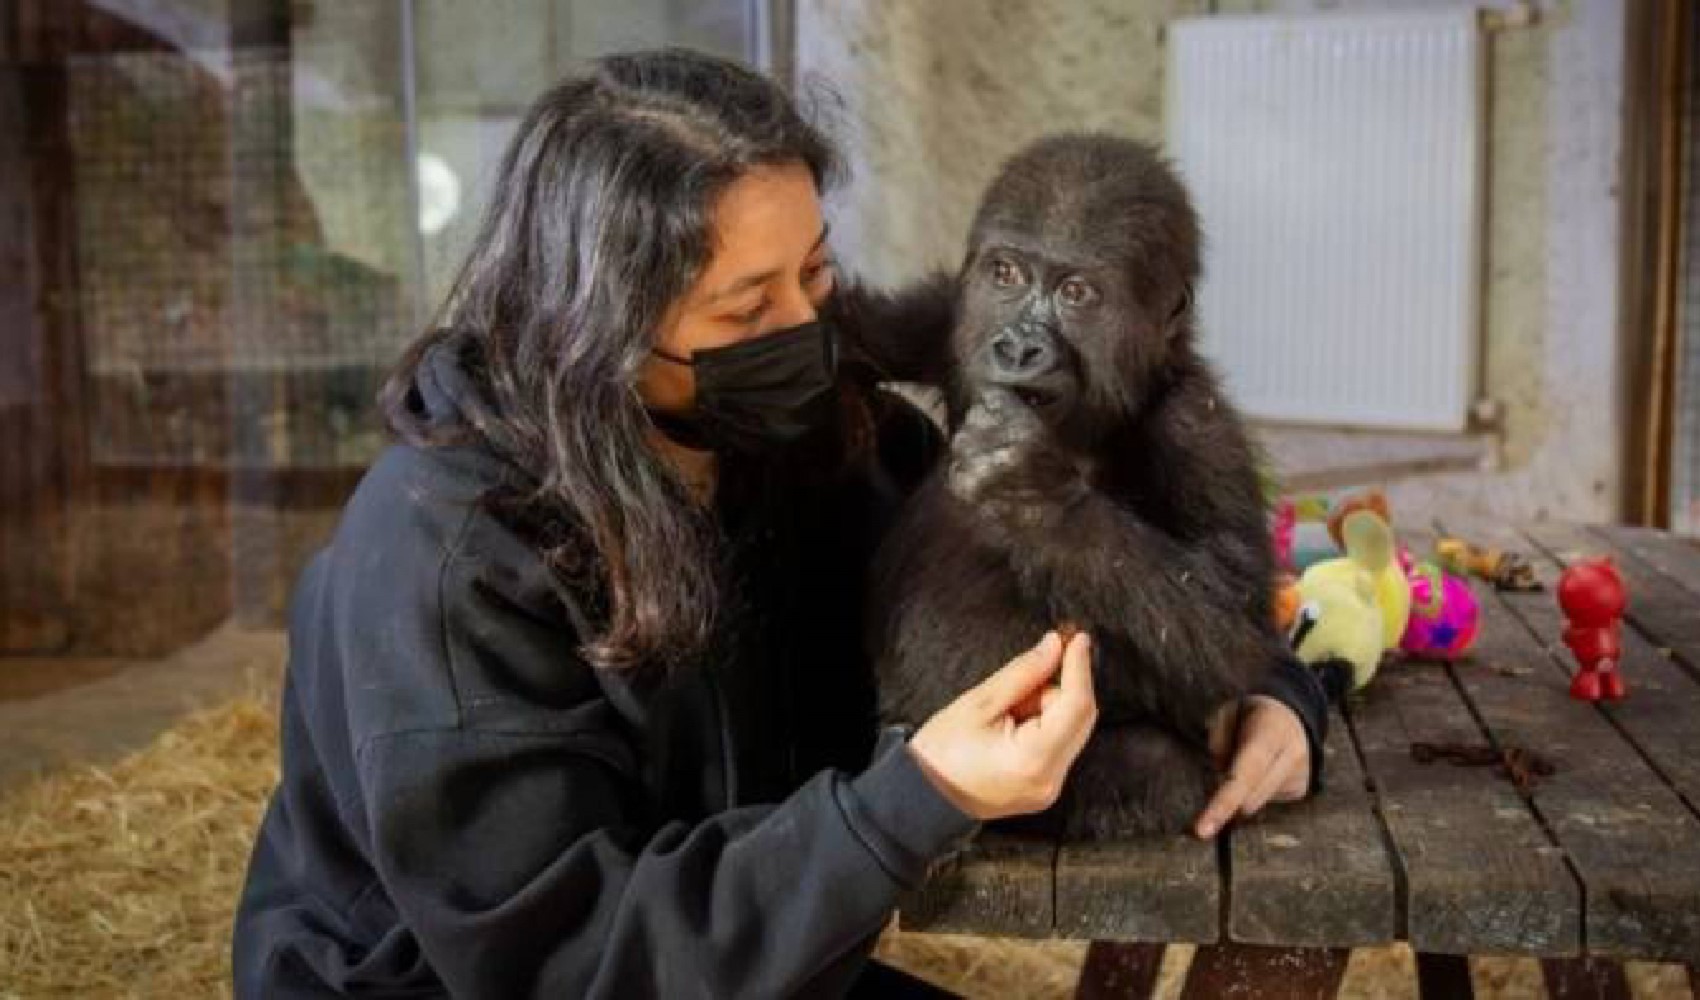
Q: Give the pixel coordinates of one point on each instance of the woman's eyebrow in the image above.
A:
(753, 280)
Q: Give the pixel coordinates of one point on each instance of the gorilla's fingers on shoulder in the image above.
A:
(999, 401)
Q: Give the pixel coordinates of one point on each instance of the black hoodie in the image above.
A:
(468, 808)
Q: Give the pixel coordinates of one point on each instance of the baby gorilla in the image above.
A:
(1096, 476)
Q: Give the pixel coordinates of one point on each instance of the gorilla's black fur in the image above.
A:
(1096, 475)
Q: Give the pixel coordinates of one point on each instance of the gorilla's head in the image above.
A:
(1077, 283)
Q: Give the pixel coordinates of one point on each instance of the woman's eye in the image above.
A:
(744, 319)
(1005, 274)
(1076, 292)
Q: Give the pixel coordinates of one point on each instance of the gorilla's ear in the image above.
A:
(1180, 310)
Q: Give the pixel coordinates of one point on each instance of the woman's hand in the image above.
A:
(1271, 761)
(1004, 747)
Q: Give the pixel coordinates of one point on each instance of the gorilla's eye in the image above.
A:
(1077, 292)
(1005, 273)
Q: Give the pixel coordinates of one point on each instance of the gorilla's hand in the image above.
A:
(1005, 464)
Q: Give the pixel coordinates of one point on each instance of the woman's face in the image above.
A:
(770, 270)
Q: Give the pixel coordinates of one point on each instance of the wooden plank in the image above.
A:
(1675, 557)
(1480, 874)
(1316, 873)
(1000, 886)
(1629, 837)
(1149, 889)
(1119, 969)
(1666, 611)
(1252, 972)
(1661, 716)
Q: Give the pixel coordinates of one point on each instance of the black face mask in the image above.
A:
(758, 395)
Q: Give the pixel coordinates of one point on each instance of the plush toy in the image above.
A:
(1374, 501)
(1300, 531)
(1341, 625)
(1392, 587)
(1444, 612)
(1505, 570)
(1287, 601)
(1281, 527)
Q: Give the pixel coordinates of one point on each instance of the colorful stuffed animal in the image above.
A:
(1444, 612)
(1505, 570)
(1392, 587)
(1299, 528)
(1342, 625)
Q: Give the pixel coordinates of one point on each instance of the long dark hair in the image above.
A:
(600, 218)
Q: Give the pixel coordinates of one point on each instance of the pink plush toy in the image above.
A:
(1444, 612)
(1285, 520)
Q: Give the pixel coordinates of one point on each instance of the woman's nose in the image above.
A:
(795, 309)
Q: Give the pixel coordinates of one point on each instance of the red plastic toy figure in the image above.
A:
(1593, 597)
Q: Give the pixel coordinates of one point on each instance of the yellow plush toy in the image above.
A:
(1350, 612)
(1392, 585)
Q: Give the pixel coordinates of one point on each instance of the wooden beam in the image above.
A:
(1316, 873)
(1628, 835)
(1584, 979)
(1250, 972)
(1149, 889)
(1115, 969)
(1661, 717)
(1002, 885)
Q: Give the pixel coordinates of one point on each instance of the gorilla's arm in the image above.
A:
(1189, 608)
(901, 336)
(1172, 560)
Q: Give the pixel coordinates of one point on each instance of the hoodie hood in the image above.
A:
(444, 395)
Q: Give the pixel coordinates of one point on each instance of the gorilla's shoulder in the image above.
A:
(908, 441)
(1196, 413)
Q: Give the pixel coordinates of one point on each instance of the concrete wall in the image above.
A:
(932, 96)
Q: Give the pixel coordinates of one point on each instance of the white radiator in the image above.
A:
(1336, 161)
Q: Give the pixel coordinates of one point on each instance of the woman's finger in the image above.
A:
(1018, 679)
(1067, 718)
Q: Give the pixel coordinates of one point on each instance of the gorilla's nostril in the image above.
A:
(1016, 355)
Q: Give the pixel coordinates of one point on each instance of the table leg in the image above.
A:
(1119, 969)
(1254, 972)
(1444, 977)
(1590, 978)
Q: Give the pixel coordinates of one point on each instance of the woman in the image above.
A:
(575, 702)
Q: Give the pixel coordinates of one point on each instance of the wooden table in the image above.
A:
(1599, 861)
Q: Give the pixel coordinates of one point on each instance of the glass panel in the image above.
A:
(1685, 446)
(215, 241)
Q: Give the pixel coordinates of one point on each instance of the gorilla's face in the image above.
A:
(1076, 284)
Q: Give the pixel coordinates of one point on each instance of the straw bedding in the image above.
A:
(119, 880)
